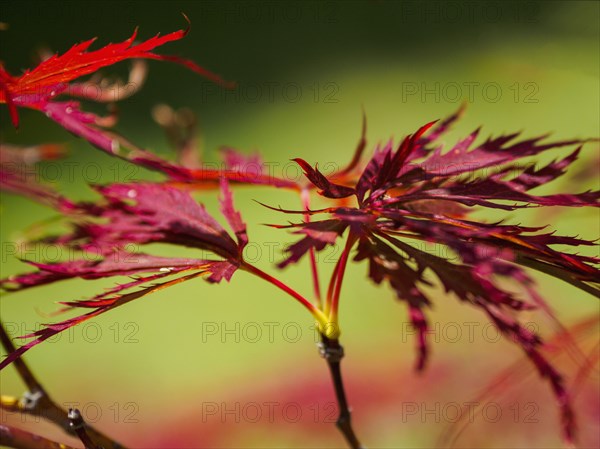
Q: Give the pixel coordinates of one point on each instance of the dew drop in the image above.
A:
(132, 193)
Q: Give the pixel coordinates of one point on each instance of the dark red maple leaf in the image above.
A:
(129, 216)
(418, 192)
(136, 214)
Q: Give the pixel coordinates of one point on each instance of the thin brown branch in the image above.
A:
(333, 352)
(28, 378)
(37, 402)
(78, 426)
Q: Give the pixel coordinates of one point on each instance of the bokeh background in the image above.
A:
(236, 365)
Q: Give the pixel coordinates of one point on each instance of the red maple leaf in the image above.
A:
(40, 87)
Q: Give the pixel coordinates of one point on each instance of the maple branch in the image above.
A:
(333, 352)
(37, 402)
(77, 424)
(24, 372)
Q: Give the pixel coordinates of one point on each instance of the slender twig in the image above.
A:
(77, 424)
(333, 352)
(37, 402)
(28, 378)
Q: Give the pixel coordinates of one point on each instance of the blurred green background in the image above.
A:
(198, 365)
